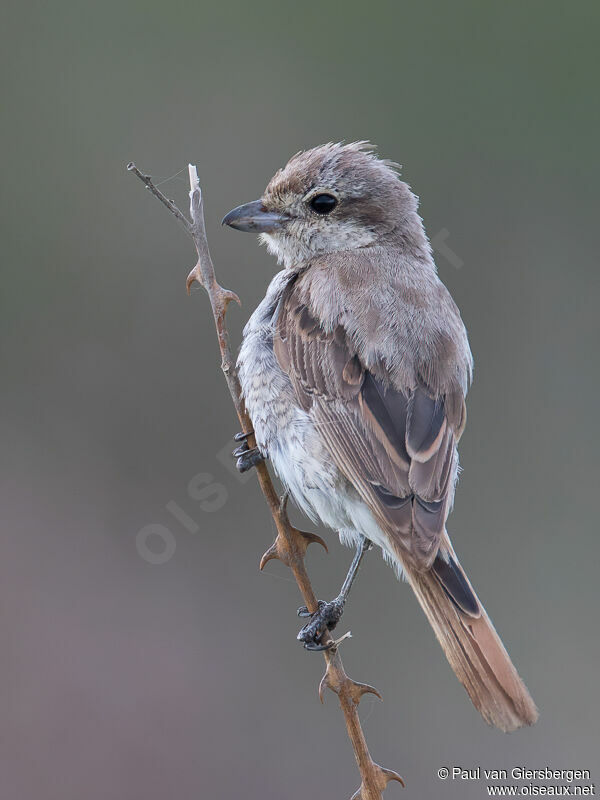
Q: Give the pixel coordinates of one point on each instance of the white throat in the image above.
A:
(295, 247)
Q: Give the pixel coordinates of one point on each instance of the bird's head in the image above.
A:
(331, 198)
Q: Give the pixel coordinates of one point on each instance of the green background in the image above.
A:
(123, 679)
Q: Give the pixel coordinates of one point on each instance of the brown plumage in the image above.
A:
(359, 358)
(397, 447)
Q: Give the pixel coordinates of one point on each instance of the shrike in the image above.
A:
(354, 370)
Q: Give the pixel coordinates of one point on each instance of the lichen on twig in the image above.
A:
(290, 544)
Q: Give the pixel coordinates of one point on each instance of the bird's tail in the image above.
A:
(471, 644)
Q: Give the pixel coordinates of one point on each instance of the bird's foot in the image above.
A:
(326, 617)
(246, 457)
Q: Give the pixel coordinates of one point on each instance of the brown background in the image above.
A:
(122, 679)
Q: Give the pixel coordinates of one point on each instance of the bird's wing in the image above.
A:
(395, 444)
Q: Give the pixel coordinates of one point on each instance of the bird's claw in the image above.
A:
(326, 617)
(246, 457)
(304, 612)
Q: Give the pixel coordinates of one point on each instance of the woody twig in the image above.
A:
(290, 544)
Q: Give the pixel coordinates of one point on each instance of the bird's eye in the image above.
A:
(323, 203)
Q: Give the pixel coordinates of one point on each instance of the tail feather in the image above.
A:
(472, 646)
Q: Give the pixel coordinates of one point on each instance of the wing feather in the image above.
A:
(395, 444)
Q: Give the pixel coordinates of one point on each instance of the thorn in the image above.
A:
(191, 278)
(343, 684)
(303, 539)
(228, 297)
(324, 684)
(382, 778)
(327, 683)
(356, 691)
(390, 775)
(279, 547)
(311, 538)
(270, 554)
(331, 680)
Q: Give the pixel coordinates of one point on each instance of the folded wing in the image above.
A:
(395, 444)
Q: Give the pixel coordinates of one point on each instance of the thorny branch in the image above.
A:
(290, 544)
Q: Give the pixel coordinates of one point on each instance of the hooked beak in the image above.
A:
(254, 217)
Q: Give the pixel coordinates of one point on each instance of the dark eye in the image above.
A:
(323, 203)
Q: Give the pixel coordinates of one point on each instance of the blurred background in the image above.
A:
(143, 654)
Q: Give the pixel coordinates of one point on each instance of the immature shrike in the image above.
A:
(354, 370)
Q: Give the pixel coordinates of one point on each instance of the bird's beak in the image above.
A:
(254, 217)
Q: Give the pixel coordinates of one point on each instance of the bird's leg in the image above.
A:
(246, 457)
(328, 615)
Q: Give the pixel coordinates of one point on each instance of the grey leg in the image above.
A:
(328, 615)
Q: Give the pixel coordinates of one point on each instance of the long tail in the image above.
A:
(471, 644)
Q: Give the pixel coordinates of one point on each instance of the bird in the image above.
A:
(354, 370)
